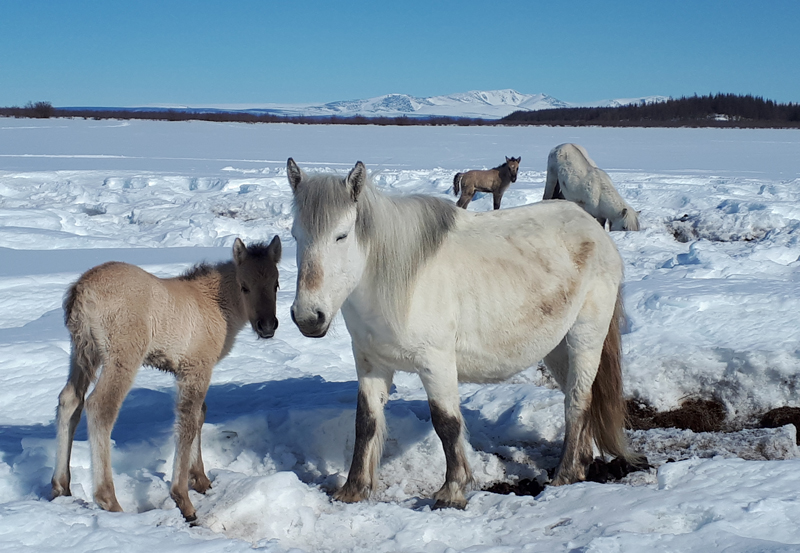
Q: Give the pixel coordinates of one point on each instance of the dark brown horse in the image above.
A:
(492, 181)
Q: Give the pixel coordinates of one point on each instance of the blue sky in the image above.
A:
(143, 52)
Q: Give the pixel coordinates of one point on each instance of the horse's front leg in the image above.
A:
(373, 392)
(441, 385)
(193, 384)
(497, 196)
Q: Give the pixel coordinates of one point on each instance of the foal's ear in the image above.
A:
(294, 174)
(356, 179)
(274, 250)
(239, 251)
(519, 159)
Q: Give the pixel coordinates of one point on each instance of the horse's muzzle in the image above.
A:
(312, 327)
(265, 329)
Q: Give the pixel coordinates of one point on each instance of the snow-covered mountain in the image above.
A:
(491, 104)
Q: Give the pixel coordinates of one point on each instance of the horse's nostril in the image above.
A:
(291, 312)
(320, 317)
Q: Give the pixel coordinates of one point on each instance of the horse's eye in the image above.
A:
(341, 237)
(245, 289)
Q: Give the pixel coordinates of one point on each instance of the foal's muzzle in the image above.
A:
(265, 329)
(314, 325)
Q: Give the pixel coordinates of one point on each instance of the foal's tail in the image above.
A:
(607, 412)
(457, 184)
(87, 353)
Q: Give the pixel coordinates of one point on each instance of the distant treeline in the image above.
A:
(720, 110)
(44, 110)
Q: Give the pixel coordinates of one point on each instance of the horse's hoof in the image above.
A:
(190, 518)
(200, 485)
(58, 491)
(346, 495)
(442, 504)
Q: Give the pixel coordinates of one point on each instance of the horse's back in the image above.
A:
(137, 311)
(484, 180)
(112, 287)
(514, 282)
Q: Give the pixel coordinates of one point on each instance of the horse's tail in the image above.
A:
(607, 412)
(87, 352)
(457, 184)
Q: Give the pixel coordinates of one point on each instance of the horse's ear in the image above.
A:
(356, 179)
(294, 174)
(274, 249)
(509, 159)
(519, 159)
(239, 251)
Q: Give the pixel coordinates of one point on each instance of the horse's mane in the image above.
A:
(202, 270)
(259, 250)
(402, 232)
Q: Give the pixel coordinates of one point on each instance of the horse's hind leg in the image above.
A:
(373, 392)
(445, 405)
(577, 359)
(467, 192)
(192, 387)
(102, 408)
(198, 480)
(70, 407)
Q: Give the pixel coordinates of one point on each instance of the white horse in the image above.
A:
(573, 176)
(453, 295)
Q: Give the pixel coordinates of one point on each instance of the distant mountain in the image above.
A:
(491, 104)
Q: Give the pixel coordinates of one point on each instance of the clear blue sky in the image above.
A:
(144, 52)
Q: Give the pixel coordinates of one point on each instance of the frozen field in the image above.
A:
(712, 295)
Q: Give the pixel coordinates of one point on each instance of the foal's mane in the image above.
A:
(201, 270)
(401, 232)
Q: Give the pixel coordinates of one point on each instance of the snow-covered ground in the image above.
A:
(712, 294)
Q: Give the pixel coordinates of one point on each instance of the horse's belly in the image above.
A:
(478, 361)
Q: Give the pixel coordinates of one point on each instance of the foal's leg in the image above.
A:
(193, 384)
(582, 348)
(198, 480)
(497, 196)
(102, 408)
(373, 392)
(441, 385)
(467, 192)
(70, 407)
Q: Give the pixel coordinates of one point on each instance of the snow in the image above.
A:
(712, 295)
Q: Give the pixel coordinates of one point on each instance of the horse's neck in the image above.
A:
(405, 233)
(504, 173)
(222, 280)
